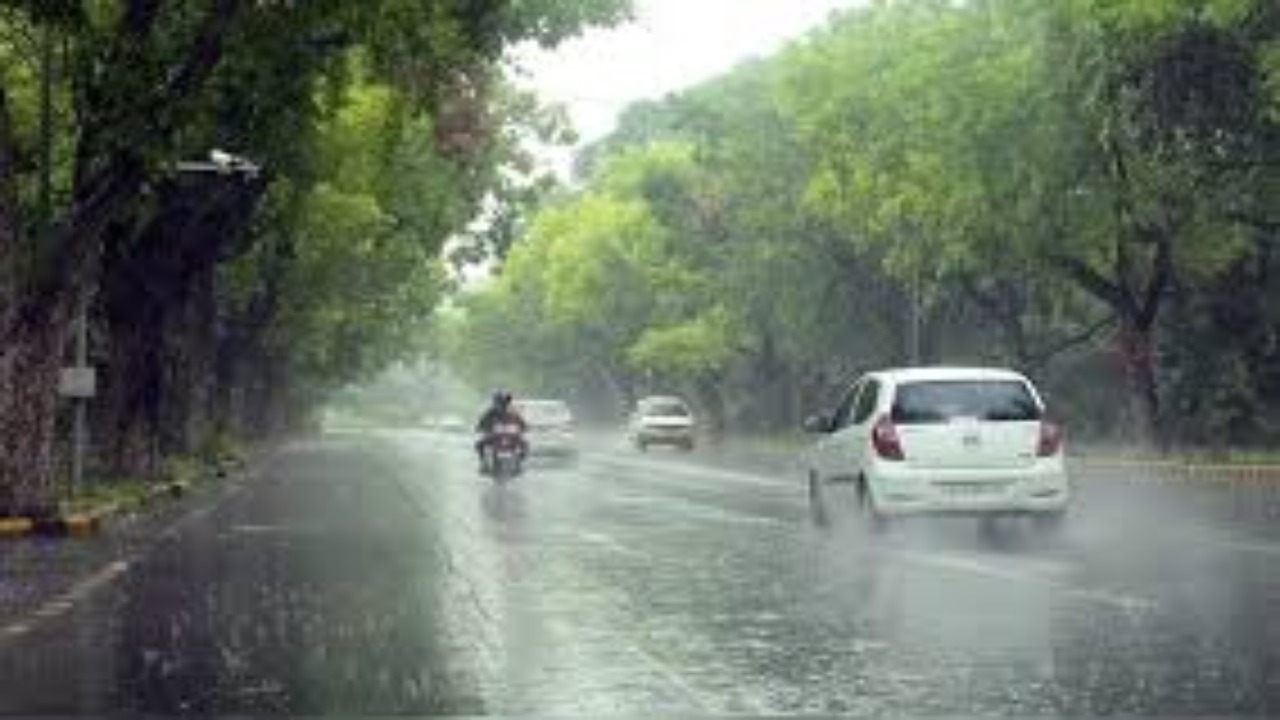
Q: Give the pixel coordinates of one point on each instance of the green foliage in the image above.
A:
(1036, 174)
(696, 347)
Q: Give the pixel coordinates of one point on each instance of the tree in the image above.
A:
(1079, 187)
(144, 84)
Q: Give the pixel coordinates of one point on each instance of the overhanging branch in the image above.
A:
(1092, 281)
(1044, 355)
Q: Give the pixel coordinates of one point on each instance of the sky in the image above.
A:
(670, 45)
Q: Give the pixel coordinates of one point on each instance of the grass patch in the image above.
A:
(218, 461)
(185, 470)
(125, 493)
(1234, 457)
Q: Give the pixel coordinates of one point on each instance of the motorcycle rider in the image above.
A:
(500, 412)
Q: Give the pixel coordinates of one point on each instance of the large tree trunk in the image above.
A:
(188, 368)
(30, 361)
(129, 411)
(1135, 347)
(229, 403)
(1135, 296)
(161, 313)
(268, 399)
(34, 326)
(10, 219)
(711, 400)
(38, 296)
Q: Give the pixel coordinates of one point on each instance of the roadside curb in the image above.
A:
(84, 523)
(12, 527)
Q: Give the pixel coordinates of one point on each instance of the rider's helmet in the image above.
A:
(501, 398)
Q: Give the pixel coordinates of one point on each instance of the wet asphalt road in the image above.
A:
(375, 575)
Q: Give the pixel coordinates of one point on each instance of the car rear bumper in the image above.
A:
(557, 445)
(665, 437)
(1042, 488)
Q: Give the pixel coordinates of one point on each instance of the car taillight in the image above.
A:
(1051, 436)
(885, 440)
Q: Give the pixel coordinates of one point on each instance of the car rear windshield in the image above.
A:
(943, 401)
(541, 411)
(666, 408)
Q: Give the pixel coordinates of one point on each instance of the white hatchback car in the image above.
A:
(661, 420)
(942, 441)
(550, 427)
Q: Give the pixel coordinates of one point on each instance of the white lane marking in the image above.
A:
(1260, 548)
(664, 505)
(737, 477)
(259, 529)
(611, 544)
(701, 700)
(975, 566)
(717, 514)
(89, 585)
(65, 602)
(53, 609)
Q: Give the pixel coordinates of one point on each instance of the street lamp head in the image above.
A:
(221, 158)
(228, 163)
(222, 163)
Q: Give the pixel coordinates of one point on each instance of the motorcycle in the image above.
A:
(506, 453)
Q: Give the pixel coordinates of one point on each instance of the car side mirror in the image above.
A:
(818, 424)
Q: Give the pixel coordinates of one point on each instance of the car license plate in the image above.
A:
(972, 489)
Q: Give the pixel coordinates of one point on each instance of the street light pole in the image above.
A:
(80, 429)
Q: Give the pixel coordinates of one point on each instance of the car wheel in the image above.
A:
(876, 521)
(687, 446)
(817, 501)
(994, 531)
(642, 446)
(1049, 522)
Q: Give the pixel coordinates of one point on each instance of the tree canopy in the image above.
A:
(228, 301)
(1081, 189)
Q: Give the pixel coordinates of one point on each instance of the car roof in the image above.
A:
(945, 373)
(655, 399)
(540, 401)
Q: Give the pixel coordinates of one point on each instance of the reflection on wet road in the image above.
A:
(381, 576)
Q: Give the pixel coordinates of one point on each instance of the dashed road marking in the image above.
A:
(63, 603)
(733, 477)
(975, 566)
(1258, 548)
(83, 589)
(89, 585)
(53, 609)
(249, 529)
(611, 544)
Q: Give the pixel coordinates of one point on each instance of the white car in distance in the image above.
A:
(924, 441)
(662, 420)
(551, 427)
